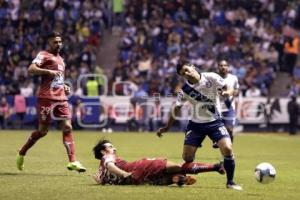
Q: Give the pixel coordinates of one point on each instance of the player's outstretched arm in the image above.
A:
(173, 113)
(36, 70)
(117, 171)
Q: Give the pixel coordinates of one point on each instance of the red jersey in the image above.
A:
(143, 171)
(51, 87)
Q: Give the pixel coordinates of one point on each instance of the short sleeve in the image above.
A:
(217, 80)
(39, 59)
(180, 100)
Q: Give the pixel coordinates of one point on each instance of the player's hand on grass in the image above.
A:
(161, 131)
(96, 177)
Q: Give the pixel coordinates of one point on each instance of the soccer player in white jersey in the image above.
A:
(227, 103)
(202, 90)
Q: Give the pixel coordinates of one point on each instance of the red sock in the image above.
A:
(69, 144)
(35, 136)
(195, 168)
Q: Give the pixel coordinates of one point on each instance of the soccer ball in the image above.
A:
(265, 173)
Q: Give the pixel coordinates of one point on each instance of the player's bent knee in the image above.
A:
(226, 150)
(43, 133)
(67, 128)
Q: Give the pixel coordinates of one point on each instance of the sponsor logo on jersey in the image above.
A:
(208, 84)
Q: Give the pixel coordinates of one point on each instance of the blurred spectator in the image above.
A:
(20, 109)
(119, 74)
(27, 89)
(293, 111)
(267, 107)
(273, 58)
(253, 91)
(134, 122)
(291, 50)
(126, 89)
(118, 15)
(102, 80)
(293, 89)
(109, 113)
(144, 65)
(77, 91)
(264, 77)
(4, 113)
(92, 87)
(78, 113)
(155, 117)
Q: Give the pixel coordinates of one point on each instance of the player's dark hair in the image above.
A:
(180, 66)
(99, 147)
(220, 60)
(53, 34)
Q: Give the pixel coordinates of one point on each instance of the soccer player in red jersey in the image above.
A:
(52, 101)
(156, 171)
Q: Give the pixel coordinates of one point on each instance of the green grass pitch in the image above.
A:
(46, 177)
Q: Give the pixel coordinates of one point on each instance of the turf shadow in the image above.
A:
(31, 174)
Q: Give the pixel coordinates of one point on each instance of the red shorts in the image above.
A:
(146, 170)
(49, 109)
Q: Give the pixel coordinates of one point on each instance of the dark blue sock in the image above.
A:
(229, 165)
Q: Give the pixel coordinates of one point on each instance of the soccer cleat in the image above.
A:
(180, 180)
(20, 162)
(234, 186)
(221, 169)
(77, 166)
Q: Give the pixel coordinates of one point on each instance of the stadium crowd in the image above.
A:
(24, 26)
(257, 37)
(253, 36)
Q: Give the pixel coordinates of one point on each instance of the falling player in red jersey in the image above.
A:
(52, 101)
(156, 171)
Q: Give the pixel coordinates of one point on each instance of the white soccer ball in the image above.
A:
(265, 173)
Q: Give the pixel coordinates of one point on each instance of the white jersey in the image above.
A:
(203, 96)
(228, 103)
